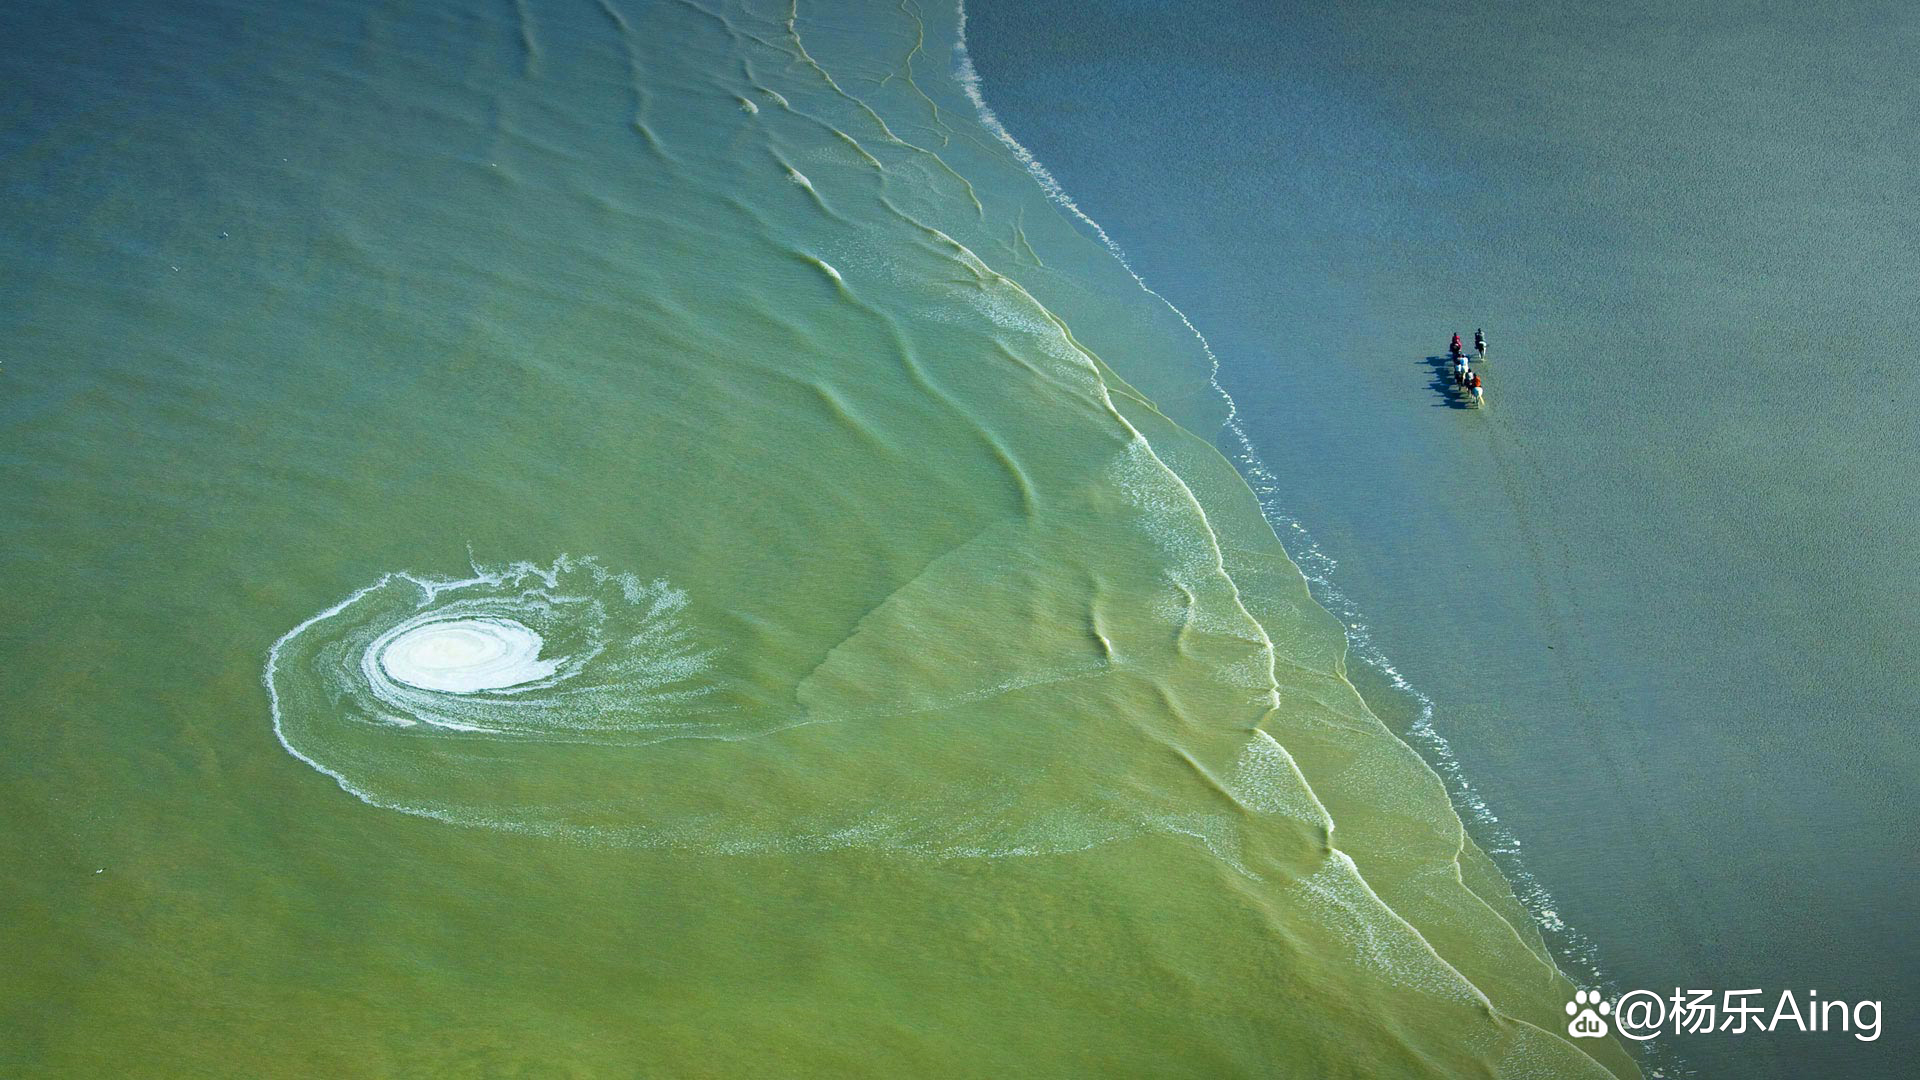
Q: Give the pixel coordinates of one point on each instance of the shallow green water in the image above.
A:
(581, 540)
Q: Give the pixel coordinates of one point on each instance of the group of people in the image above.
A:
(1464, 376)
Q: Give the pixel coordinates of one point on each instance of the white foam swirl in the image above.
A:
(566, 654)
(463, 656)
(573, 702)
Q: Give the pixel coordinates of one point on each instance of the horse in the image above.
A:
(1479, 397)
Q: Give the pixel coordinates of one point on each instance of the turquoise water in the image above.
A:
(1656, 595)
(568, 540)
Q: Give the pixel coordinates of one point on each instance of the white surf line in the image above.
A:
(1314, 563)
(1269, 650)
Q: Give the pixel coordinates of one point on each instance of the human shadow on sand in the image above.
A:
(1451, 396)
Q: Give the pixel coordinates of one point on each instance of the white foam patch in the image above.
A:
(462, 656)
(1265, 779)
(1377, 938)
(568, 651)
(1204, 596)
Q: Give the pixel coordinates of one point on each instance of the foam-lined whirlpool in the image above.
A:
(574, 702)
(463, 656)
(450, 697)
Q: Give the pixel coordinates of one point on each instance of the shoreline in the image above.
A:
(1569, 948)
(1594, 588)
(1313, 563)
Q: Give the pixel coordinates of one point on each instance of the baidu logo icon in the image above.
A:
(1641, 1015)
(1587, 1010)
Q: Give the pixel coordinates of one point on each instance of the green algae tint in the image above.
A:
(636, 539)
